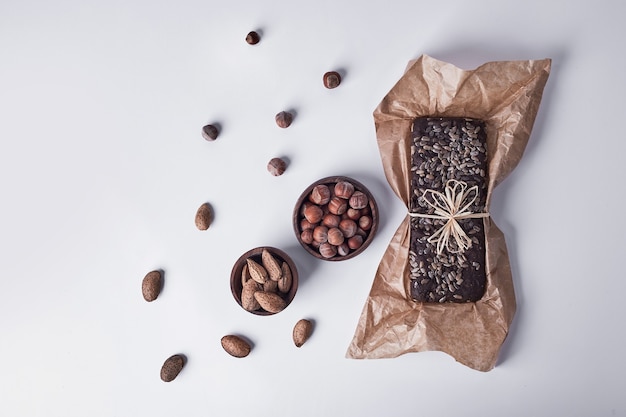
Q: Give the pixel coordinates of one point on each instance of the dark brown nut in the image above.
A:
(276, 166)
(365, 222)
(257, 271)
(210, 132)
(172, 367)
(331, 220)
(286, 279)
(332, 79)
(307, 236)
(358, 200)
(204, 215)
(327, 250)
(320, 194)
(253, 38)
(337, 205)
(236, 346)
(335, 237)
(284, 119)
(313, 214)
(348, 228)
(151, 285)
(343, 249)
(344, 189)
(320, 234)
(302, 331)
(355, 242)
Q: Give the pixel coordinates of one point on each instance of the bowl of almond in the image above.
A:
(264, 280)
(335, 218)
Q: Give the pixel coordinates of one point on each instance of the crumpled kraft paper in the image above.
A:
(506, 95)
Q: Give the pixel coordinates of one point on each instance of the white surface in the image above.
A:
(102, 168)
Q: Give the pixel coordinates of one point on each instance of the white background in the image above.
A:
(102, 168)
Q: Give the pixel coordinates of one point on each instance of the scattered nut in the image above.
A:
(276, 166)
(204, 215)
(210, 132)
(284, 119)
(172, 367)
(236, 346)
(332, 79)
(151, 285)
(270, 301)
(302, 331)
(253, 38)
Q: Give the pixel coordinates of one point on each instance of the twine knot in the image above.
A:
(451, 205)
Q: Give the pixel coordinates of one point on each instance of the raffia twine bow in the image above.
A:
(451, 205)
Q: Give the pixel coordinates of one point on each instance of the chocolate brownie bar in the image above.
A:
(448, 161)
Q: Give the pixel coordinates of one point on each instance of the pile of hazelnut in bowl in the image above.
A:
(335, 218)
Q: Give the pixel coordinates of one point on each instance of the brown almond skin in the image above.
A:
(248, 302)
(257, 271)
(236, 346)
(270, 302)
(271, 265)
(284, 284)
(302, 331)
(151, 285)
(172, 367)
(204, 216)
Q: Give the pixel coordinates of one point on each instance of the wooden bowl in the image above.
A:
(236, 282)
(367, 233)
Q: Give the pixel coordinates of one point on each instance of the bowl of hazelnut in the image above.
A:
(335, 218)
(264, 281)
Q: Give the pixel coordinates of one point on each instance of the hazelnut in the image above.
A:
(358, 200)
(365, 222)
(327, 250)
(276, 166)
(284, 119)
(353, 214)
(307, 236)
(313, 213)
(335, 237)
(210, 132)
(331, 220)
(348, 227)
(344, 189)
(355, 242)
(337, 205)
(320, 194)
(253, 38)
(320, 234)
(306, 225)
(332, 79)
(343, 249)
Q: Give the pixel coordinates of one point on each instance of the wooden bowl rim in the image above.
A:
(296, 217)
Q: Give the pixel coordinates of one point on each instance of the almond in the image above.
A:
(270, 301)
(271, 265)
(284, 283)
(245, 275)
(302, 331)
(257, 272)
(204, 216)
(270, 286)
(236, 346)
(151, 285)
(172, 367)
(248, 302)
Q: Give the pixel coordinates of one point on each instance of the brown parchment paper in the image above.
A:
(506, 95)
